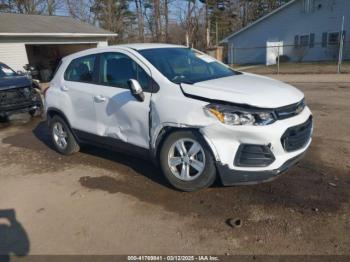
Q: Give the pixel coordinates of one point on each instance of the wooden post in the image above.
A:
(341, 45)
(278, 60)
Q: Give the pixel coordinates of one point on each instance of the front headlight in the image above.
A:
(236, 116)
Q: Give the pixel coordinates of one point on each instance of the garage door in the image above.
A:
(14, 55)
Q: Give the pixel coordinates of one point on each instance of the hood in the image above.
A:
(13, 82)
(249, 89)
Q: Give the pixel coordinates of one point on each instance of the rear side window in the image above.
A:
(81, 69)
(116, 69)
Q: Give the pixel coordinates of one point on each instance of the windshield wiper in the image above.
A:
(181, 80)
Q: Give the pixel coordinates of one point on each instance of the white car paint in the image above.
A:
(247, 89)
(122, 117)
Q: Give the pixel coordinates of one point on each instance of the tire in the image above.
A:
(59, 129)
(187, 178)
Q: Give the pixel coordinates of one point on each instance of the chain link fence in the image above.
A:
(280, 58)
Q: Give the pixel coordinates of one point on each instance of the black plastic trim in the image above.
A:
(250, 155)
(17, 103)
(18, 109)
(112, 144)
(296, 137)
(237, 177)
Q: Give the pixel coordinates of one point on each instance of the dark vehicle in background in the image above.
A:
(17, 93)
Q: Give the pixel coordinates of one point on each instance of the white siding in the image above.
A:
(250, 45)
(14, 55)
(102, 44)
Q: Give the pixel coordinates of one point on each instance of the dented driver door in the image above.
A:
(120, 115)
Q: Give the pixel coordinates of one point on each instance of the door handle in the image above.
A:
(64, 88)
(99, 99)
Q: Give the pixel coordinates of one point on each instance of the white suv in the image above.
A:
(193, 115)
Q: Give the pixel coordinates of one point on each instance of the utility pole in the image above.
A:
(341, 45)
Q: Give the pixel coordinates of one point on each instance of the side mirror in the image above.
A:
(21, 73)
(136, 90)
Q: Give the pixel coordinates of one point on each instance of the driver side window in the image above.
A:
(116, 69)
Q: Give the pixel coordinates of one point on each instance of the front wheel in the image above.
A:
(187, 162)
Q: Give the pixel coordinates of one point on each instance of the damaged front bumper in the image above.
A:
(267, 155)
(24, 108)
(14, 101)
(235, 177)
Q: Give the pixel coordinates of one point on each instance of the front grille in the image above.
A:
(290, 110)
(254, 156)
(15, 96)
(296, 137)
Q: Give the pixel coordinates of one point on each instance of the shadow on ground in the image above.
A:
(139, 165)
(13, 237)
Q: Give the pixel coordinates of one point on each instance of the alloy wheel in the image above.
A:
(186, 159)
(60, 135)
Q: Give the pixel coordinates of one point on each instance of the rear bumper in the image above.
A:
(231, 177)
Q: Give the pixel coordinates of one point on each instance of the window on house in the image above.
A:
(308, 6)
(324, 39)
(312, 40)
(333, 38)
(296, 41)
(344, 37)
(304, 40)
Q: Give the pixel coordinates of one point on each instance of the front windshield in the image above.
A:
(5, 71)
(184, 65)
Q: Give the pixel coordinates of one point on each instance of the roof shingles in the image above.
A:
(34, 24)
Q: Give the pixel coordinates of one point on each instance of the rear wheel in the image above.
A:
(62, 137)
(187, 162)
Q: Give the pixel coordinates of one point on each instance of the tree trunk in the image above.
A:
(140, 22)
(166, 18)
(157, 19)
(207, 26)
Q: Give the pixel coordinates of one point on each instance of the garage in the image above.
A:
(42, 41)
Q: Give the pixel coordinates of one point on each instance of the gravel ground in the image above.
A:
(102, 202)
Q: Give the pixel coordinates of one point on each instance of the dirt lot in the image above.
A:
(101, 202)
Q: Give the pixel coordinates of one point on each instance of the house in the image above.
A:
(42, 40)
(301, 30)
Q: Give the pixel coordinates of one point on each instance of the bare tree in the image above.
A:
(24, 6)
(166, 19)
(52, 6)
(82, 10)
(190, 20)
(157, 20)
(115, 16)
(140, 19)
(5, 5)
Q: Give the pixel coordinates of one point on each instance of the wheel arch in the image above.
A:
(52, 111)
(166, 130)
